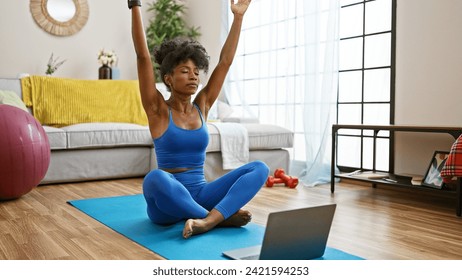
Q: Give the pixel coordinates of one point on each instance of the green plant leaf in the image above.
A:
(167, 22)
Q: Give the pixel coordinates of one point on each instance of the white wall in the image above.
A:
(208, 15)
(428, 77)
(26, 48)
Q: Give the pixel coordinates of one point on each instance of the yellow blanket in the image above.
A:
(60, 102)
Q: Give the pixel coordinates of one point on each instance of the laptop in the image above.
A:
(299, 234)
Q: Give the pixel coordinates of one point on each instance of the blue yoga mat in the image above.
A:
(127, 215)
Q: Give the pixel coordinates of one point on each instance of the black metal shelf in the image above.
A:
(395, 180)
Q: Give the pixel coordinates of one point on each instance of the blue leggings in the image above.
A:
(179, 196)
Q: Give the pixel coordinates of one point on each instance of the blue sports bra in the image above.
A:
(182, 148)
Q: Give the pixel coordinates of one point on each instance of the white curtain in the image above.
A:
(285, 73)
(322, 34)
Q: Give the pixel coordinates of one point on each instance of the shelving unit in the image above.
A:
(399, 181)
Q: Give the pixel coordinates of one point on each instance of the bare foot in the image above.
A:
(198, 226)
(194, 226)
(239, 219)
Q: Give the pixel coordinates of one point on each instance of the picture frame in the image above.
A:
(432, 177)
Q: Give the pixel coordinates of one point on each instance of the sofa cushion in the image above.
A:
(261, 137)
(97, 135)
(56, 137)
(11, 84)
(268, 136)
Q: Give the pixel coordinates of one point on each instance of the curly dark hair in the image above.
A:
(175, 51)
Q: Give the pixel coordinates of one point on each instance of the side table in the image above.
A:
(454, 131)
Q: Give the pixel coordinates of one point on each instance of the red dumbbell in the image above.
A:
(289, 181)
(271, 181)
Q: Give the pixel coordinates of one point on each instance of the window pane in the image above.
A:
(252, 90)
(239, 66)
(266, 13)
(299, 89)
(378, 16)
(286, 62)
(351, 53)
(299, 143)
(251, 66)
(377, 85)
(367, 152)
(377, 51)
(348, 151)
(300, 64)
(284, 90)
(351, 21)
(290, 29)
(268, 91)
(280, 11)
(280, 32)
(383, 159)
(350, 86)
(267, 113)
(251, 40)
(253, 111)
(299, 116)
(265, 41)
(282, 114)
(234, 99)
(349, 113)
(300, 30)
(266, 95)
(377, 114)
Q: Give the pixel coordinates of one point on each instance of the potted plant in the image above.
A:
(167, 23)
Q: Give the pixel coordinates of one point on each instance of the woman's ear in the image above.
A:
(168, 80)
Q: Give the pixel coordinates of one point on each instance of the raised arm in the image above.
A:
(150, 96)
(210, 92)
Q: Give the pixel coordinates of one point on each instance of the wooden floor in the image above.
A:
(374, 223)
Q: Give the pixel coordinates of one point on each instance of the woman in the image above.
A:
(178, 190)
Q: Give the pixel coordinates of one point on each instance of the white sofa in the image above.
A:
(97, 151)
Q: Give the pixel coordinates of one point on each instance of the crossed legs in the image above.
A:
(187, 196)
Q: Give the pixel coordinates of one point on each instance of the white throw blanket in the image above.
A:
(234, 142)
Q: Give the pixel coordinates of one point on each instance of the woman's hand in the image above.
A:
(240, 7)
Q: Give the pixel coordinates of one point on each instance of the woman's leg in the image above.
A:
(233, 190)
(225, 196)
(168, 200)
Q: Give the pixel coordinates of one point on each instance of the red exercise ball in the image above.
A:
(24, 152)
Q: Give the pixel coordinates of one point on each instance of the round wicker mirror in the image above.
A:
(60, 18)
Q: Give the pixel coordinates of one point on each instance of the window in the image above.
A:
(271, 69)
(366, 84)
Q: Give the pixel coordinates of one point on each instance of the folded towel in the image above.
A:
(61, 102)
(234, 141)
